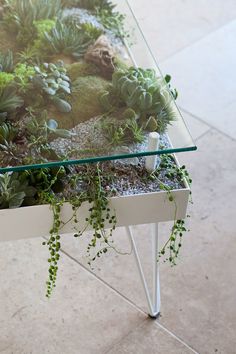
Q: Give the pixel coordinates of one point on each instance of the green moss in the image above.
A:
(85, 101)
(81, 69)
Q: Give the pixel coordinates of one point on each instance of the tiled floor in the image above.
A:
(104, 312)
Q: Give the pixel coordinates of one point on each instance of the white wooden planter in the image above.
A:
(36, 221)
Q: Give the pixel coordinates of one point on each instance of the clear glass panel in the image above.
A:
(79, 89)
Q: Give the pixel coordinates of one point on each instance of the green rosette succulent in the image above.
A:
(144, 92)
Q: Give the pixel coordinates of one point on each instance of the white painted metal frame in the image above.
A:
(154, 302)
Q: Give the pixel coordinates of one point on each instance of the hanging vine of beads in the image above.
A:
(100, 215)
(54, 245)
(174, 242)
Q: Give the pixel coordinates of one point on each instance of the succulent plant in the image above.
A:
(38, 45)
(112, 21)
(67, 39)
(5, 79)
(20, 16)
(6, 62)
(52, 127)
(28, 55)
(43, 127)
(51, 79)
(7, 133)
(174, 92)
(122, 132)
(129, 113)
(14, 188)
(91, 31)
(143, 92)
(43, 26)
(23, 75)
(89, 4)
(141, 89)
(9, 101)
(22, 13)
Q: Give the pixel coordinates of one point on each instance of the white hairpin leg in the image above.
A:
(154, 302)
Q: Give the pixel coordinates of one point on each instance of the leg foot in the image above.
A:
(154, 317)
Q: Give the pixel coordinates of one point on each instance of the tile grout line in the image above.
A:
(203, 134)
(183, 110)
(209, 125)
(127, 300)
(195, 41)
(125, 336)
(174, 336)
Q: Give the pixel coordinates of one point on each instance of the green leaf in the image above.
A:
(30, 191)
(16, 200)
(52, 124)
(62, 105)
(63, 133)
(65, 77)
(50, 91)
(65, 88)
(168, 78)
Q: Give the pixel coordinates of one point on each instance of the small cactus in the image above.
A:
(151, 125)
(129, 113)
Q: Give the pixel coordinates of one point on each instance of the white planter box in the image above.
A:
(36, 221)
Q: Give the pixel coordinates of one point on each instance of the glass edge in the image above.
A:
(113, 157)
(154, 60)
(94, 160)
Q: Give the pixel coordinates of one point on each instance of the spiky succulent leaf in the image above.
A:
(62, 105)
(67, 39)
(7, 133)
(9, 100)
(7, 62)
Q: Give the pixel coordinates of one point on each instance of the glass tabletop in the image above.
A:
(79, 84)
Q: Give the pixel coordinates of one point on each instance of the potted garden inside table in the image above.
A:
(76, 115)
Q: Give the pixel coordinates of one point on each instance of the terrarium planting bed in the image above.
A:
(131, 209)
(88, 130)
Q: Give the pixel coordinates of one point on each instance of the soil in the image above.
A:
(123, 179)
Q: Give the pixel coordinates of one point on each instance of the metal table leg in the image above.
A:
(154, 302)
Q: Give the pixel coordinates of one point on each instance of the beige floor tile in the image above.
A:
(83, 316)
(198, 296)
(195, 126)
(149, 338)
(200, 303)
(171, 25)
(119, 271)
(205, 78)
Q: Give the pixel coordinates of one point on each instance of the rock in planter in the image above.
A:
(103, 55)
